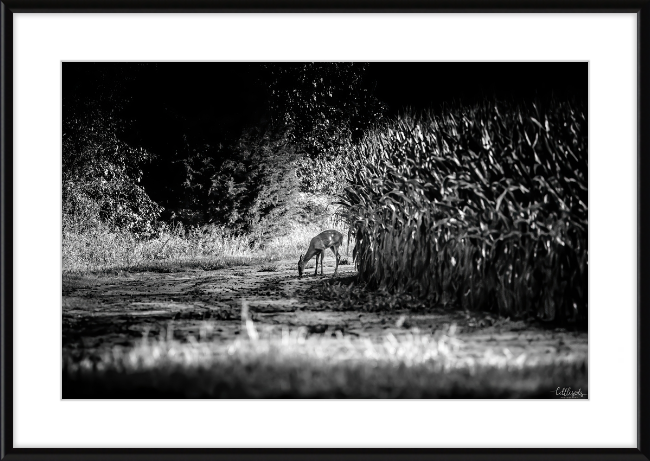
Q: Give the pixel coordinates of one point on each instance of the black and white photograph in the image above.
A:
(340, 230)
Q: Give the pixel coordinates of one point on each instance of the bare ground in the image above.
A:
(101, 313)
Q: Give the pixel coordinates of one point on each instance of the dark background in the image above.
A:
(191, 116)
(217, 100)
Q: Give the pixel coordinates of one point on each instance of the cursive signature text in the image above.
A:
(568, 393)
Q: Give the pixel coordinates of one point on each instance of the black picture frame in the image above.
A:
(9, 7)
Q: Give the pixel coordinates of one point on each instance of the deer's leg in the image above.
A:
(335, 250)
(322, 256)
(316, 271)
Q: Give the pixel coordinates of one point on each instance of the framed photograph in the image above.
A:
(311, 230)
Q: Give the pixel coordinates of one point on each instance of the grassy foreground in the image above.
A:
(295, 365)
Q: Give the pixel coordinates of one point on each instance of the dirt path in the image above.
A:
(103, 312)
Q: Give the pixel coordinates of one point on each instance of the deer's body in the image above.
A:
(329, 239)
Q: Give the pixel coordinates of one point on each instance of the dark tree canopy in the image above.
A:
(235, 143)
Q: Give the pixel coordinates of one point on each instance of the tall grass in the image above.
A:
(295, 365)
(484, 207)
(99, 248)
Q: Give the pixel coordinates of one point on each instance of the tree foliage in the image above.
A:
(324, 108)
(256, 191)
(101, 173)
(232, 149)
(192, 169)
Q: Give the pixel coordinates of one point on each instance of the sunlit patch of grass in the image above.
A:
(296, 365)
(103, 251)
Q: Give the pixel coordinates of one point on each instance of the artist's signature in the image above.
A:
(568, 393)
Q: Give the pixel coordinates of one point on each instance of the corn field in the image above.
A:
(481, 207)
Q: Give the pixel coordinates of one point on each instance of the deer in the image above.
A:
(326, 239)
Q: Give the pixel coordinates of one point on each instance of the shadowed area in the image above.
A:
(183, 335)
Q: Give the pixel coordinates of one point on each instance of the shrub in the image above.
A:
(101, 176)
